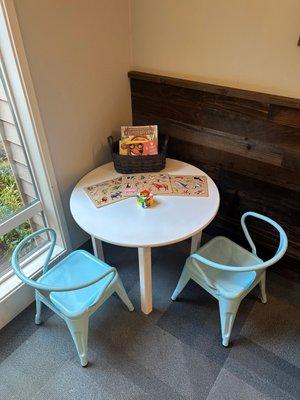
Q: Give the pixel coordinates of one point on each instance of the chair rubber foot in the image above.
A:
(86, 365)
(38, 321)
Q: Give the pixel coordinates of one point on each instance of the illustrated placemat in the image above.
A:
(155, 183)
(189, 185)
(106, 192)
(117, 189)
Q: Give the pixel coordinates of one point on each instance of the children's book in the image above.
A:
(139, 140)
(189, 185)
(106, 192)
(148, 131)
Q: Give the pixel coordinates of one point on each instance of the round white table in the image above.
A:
(172, 219)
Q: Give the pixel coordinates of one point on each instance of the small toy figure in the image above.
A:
(145, 199)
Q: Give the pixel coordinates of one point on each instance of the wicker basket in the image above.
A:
(133, 164)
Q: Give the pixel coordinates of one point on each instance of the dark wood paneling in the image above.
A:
(284, 116)
(248, 142)
(214, 159)
(216, 89)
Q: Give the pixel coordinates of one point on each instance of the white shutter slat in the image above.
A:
(5, 112)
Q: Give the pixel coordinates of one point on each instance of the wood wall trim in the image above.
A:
(265, 98)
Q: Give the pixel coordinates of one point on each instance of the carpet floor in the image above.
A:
(174, 353)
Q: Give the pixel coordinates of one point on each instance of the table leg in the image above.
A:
(196, 242)
(97, 248)
(145, 278)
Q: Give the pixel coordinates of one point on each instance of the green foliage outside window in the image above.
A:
(10, 202)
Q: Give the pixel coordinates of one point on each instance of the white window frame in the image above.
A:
(25, 107)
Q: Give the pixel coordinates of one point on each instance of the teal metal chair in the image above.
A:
(74, 288)
(229, 272)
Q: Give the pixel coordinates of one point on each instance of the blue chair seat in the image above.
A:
(224, 251)
(73, 270)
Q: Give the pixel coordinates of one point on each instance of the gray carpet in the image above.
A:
(175, 353)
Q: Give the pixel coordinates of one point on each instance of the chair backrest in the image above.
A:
(40, 286)
(15, 262)
(283, 243)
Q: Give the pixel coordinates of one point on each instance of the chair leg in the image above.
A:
(183, 280)
(262, 287)
(38, 319)
(79, 331)
(121, 292)
(228, 310)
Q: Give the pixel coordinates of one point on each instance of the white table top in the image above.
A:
(124, 223)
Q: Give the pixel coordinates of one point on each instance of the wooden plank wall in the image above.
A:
(248, 142)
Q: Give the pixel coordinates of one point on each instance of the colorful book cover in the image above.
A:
(149, 131)
(137, 146)
(139, 140)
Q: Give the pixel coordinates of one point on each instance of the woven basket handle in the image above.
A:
(165, 143)
(110, 140)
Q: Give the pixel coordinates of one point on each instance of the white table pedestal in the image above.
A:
(97, 248)
(196, 242)
(145, 270)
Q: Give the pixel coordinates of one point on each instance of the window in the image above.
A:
(29, 197)
(20, 207)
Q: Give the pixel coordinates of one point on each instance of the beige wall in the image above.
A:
(250, 44)
(79, 54)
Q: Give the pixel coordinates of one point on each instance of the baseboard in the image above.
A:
(15, 303)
